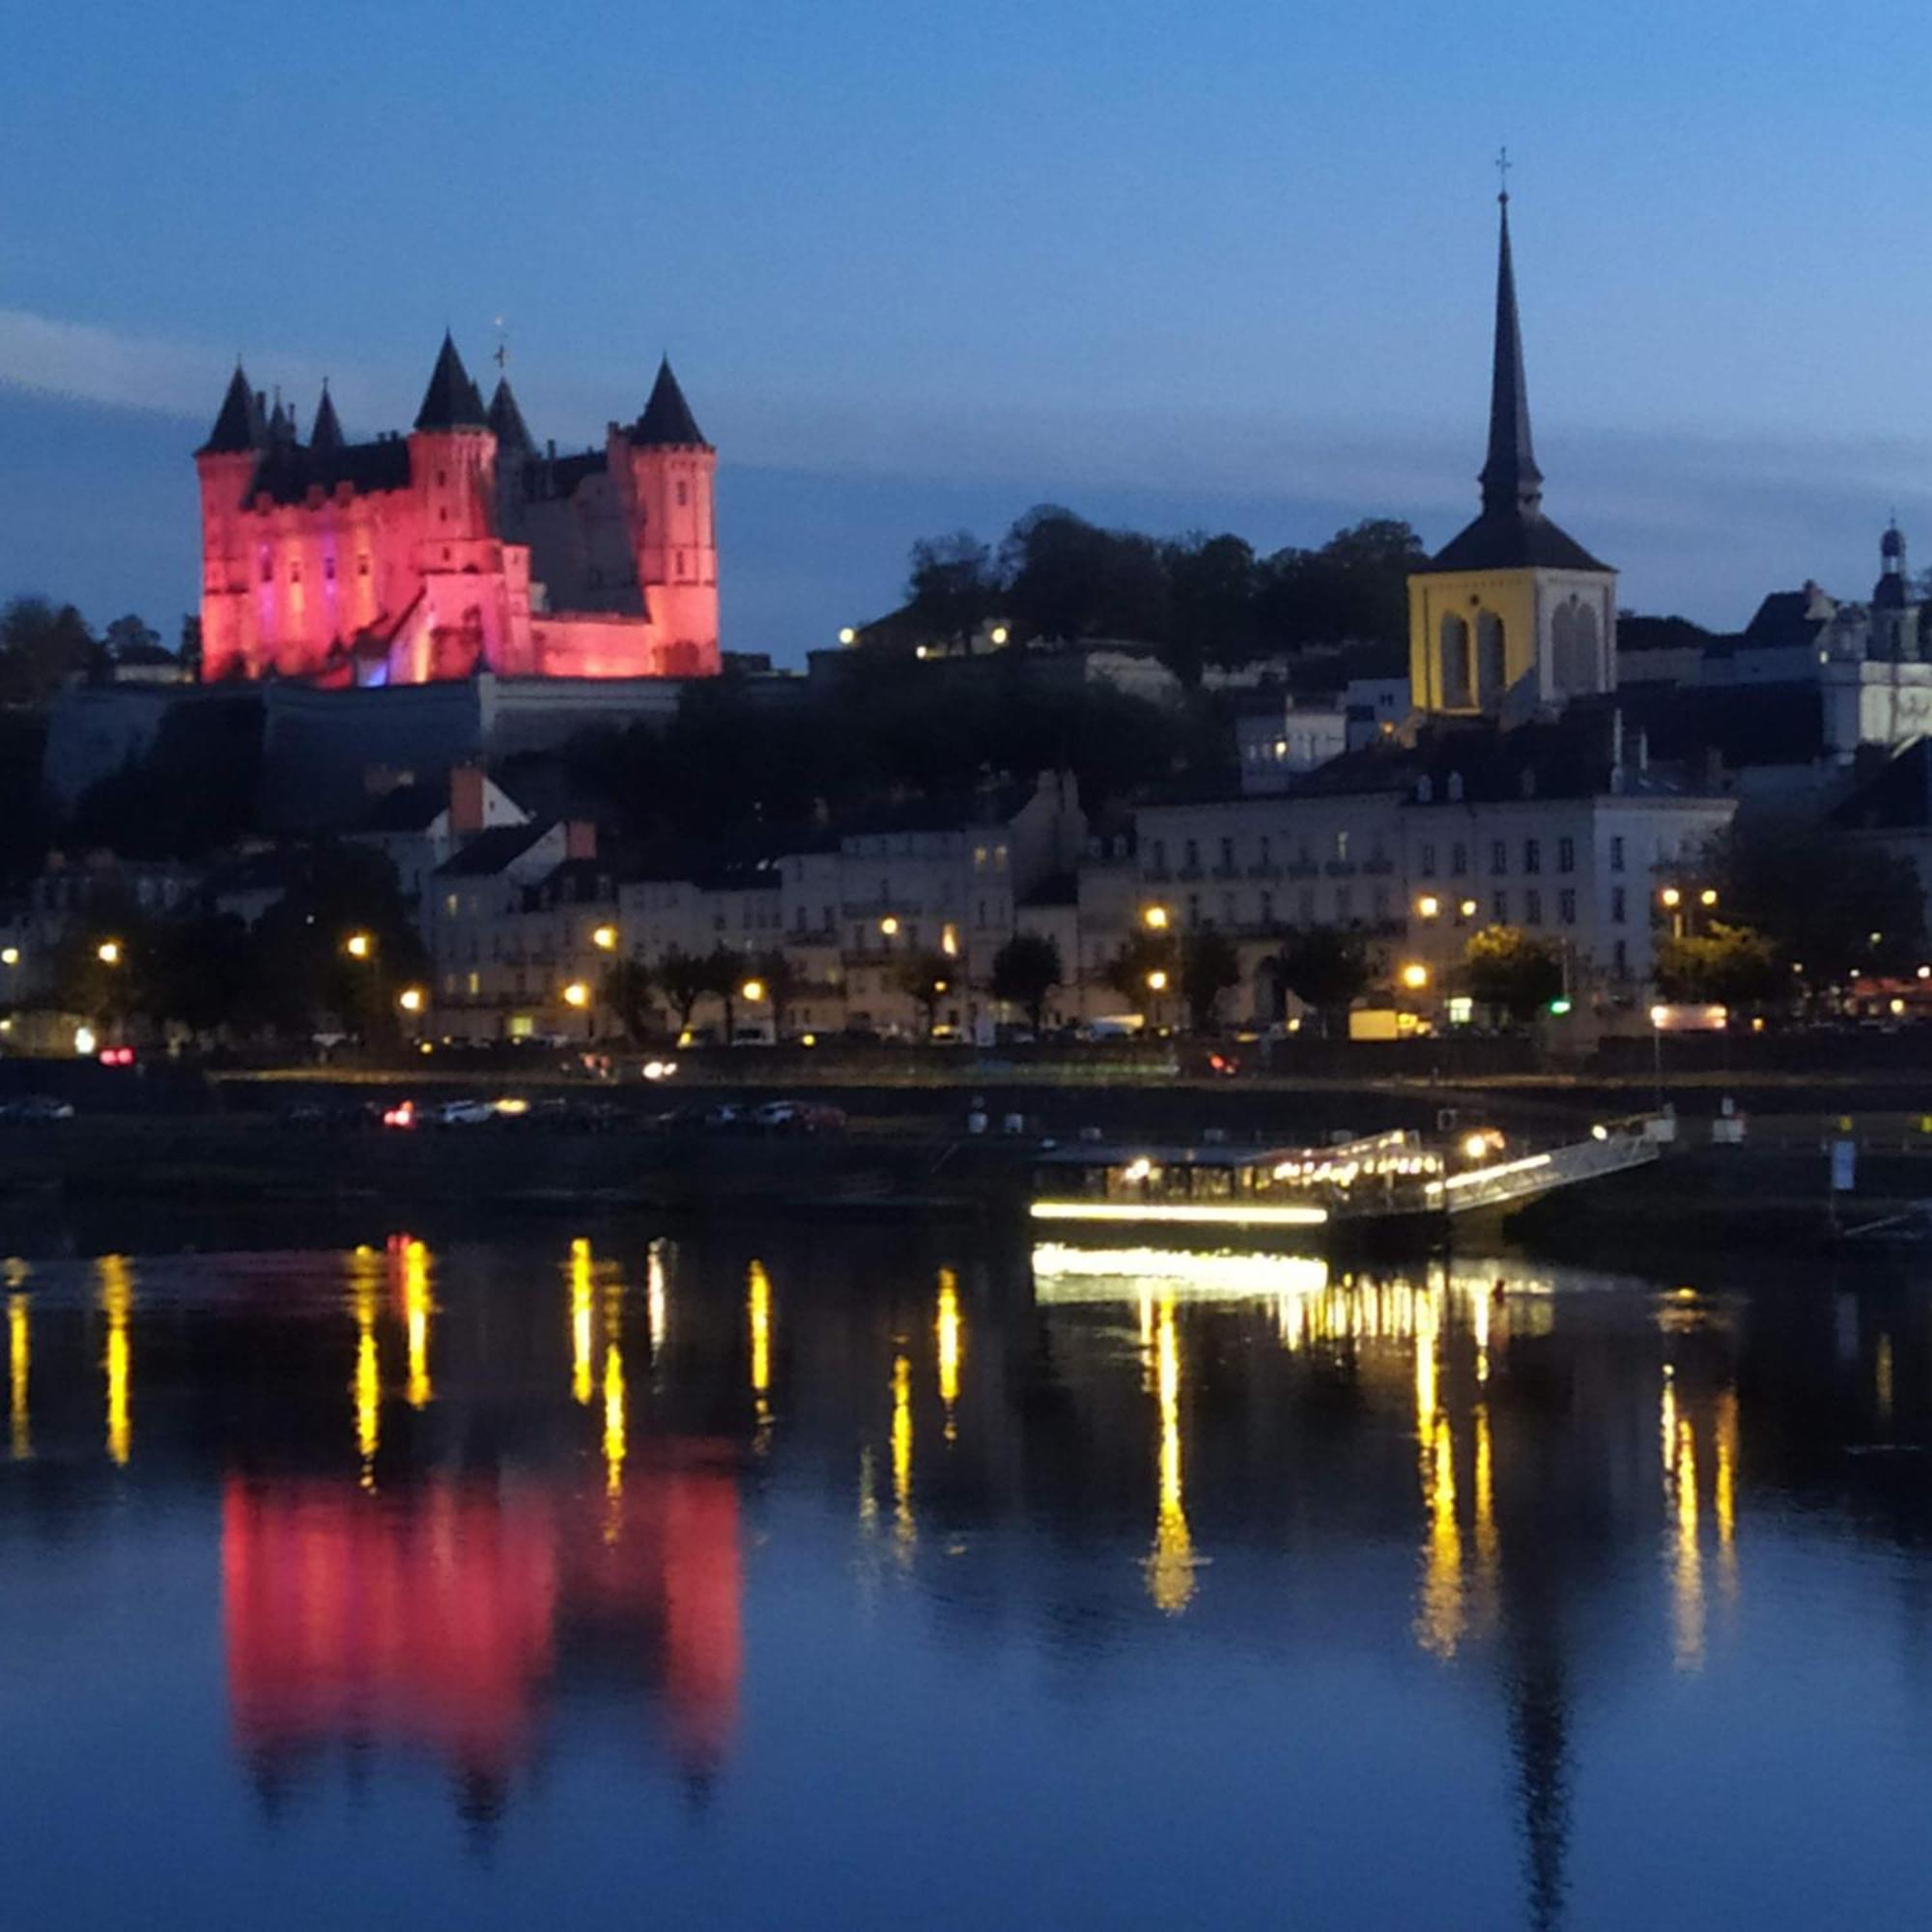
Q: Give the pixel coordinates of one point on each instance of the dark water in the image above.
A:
(849, 1580)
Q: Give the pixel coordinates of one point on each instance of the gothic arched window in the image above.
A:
(1491, 660)
(1455, 648)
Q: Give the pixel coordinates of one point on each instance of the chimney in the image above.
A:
(579, 839)
(466, 800)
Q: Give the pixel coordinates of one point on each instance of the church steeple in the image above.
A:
(1510, 480)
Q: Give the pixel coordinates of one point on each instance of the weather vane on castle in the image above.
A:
(458, 548)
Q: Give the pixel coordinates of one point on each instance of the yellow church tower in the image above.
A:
(1512, 617)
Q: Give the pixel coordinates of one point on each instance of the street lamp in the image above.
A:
(108, 952)
(411, 999)
(1428, 906)
(888, 926)
(999, 634)
(847, 634)
(605, 938)
(1707, 898)
(1154, 917)
(1157, 981)
(1670, 898)
(10, 956)
(1415, 976)
(358, 946)
(576, 994)
(1467, 908)
(753, 990)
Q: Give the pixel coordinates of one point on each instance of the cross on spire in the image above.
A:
(1503, 166)
(501, 357)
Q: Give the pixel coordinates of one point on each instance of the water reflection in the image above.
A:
(1115, 1495)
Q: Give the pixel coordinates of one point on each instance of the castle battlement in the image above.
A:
(457, 547)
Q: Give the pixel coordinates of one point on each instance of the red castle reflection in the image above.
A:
(436, 1620)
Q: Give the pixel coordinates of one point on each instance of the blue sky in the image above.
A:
(1227, 265)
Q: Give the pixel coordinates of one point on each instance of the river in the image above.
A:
(894, 1578)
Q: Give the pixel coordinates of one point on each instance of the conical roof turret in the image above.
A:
(240, 424)
(328, 430)
(451, 401)
(666, 420)
(513, 437)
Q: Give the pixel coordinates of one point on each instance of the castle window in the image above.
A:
(1455, 655)
(268, 568)
(683, 495)
(329, 569)
(362, 566)
(442, 477)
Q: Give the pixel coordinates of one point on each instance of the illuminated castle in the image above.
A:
(458, 548)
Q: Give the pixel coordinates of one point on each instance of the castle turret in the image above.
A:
(226, 464)
(328, 430)
(453, 476)
(1894, 611)
(672, 473)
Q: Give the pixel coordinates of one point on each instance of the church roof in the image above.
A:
(666, 420)
(507, 420)
(328, 430)
(239, 425)
(451, 401)
(1512, 532)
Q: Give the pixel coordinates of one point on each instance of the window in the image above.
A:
(1265, 856)
(1381, 903)
(1228, 910)
(1194, 908)
(268, 569)
(1459, 860)
(1617, 853)
(475, 982)
(1499, 908)
(442, 477)
(1304, 905)
(1532, 907)
(1426, 866)
(1492, 661)
(1499, 857)
(1456, 694)
(1345, 902)
(1341, 847)
(683, 495)
(1157, 850)
(1532, 855)
(329, 570)
(1566, 906)
(1191, 856)
(1227, 855)
(1619, 909)
(1566, 855)
(1268, 908)
(1620, 956)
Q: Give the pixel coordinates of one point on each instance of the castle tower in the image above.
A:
(225, 463)
(1894, 611)
(465, 623)
(1511, 616)
(672, 472)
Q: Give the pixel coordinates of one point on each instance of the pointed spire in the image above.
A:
(507, 420)
(281, 423)
(328, 430)
(239, 425)
(666, 420)
(451, 400)
(1510, 480)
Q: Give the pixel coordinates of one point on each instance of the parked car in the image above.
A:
(35, 1109)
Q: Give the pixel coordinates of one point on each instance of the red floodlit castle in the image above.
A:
(458, 548)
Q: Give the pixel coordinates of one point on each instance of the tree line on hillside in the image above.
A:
(43, 646)
(1200, 599)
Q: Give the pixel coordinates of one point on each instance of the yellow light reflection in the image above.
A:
(904, 1529)
(1724, 1499)
(657, 1299)
(868, 1502)
(1687, 1567)
(1487, 1574)
(1428, 1331)
(1169, 1568)
(20, 1364)
(1882, 1377)
(758, 1299)
(614, 1431)
(117, 1297)
(579, 1322)
(946, 1329)
(417, 1310)
(1479, 1310)
(1442, 1614)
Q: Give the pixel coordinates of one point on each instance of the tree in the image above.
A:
(1026, 970)
(1729, 965)
(1144, 969)
(1509, 970)
(952, 587)
(40, 648)
(925, 978)
(627, 993)
(684, 979)
(1826, 903)
(1212, 585)
(1325, 970)
(131, 639)
(1208, 966)
(724, 976)
(779, 974)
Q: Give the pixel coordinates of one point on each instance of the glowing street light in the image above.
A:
(605, 938)
(1155, 918)
(1670, 898)
(753, 990)
(576, 994)
(411, 999)
(847, 634)
(1415, 976)
(1467, 908)
(358, 946)
(1708, 897)
(10, 956)
(888, 926)
(1157, 981)
(1428, 906)
(999, 634)
(108, 952)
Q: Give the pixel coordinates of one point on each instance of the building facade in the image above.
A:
(457, 547)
